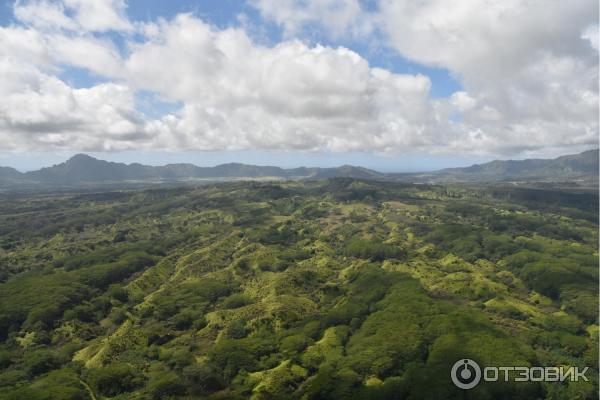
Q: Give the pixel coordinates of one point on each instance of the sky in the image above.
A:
(394, 85)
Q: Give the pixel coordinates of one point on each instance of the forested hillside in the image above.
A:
(336, 289)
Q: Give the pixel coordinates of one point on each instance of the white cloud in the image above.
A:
(24, 44)
(82, 15)
(96, 55)
(529, 73)
(39, 111)
(51, 49)
(528, 69)
(43, 14)
(100, 15)
(236, 94)
(484, 40)
(462, 101)
(291, 96)
(336, 17)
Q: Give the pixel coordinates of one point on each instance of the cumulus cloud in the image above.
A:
(529, 69)
(39, 111)
(83, 15)
(235, 94)
(291, 96)
(336, 17)
(529, 72)
(462, 101)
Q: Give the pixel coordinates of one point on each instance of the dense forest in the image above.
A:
(333, 289)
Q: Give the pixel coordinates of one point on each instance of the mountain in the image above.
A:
(347, 171)
(569, 168)
(9, 175)
(82, 168)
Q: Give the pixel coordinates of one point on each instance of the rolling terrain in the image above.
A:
(331, 289)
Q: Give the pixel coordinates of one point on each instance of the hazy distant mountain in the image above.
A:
(82, 168)
(9, 175)
(574, 168)
(347, 171)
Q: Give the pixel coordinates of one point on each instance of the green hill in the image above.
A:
(335, 289)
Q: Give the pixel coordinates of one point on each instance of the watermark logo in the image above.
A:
(466, 374)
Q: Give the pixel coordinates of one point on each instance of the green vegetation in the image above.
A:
(338, 289)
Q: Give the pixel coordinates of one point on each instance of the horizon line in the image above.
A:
(382, 171)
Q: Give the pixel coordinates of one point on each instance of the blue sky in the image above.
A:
(435, 91)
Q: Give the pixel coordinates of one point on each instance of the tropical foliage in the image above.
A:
(339, 289)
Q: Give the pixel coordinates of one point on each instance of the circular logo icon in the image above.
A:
(465, 374)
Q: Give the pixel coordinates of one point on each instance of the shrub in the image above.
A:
(41, 361)
(371, 250)
(236, 329)
(236, 301)
(201, 379)
(114, 379)
(165, 385)
(118, 293)
(293, 343)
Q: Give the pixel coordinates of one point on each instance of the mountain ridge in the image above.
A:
(83, 169)
(570, 166)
